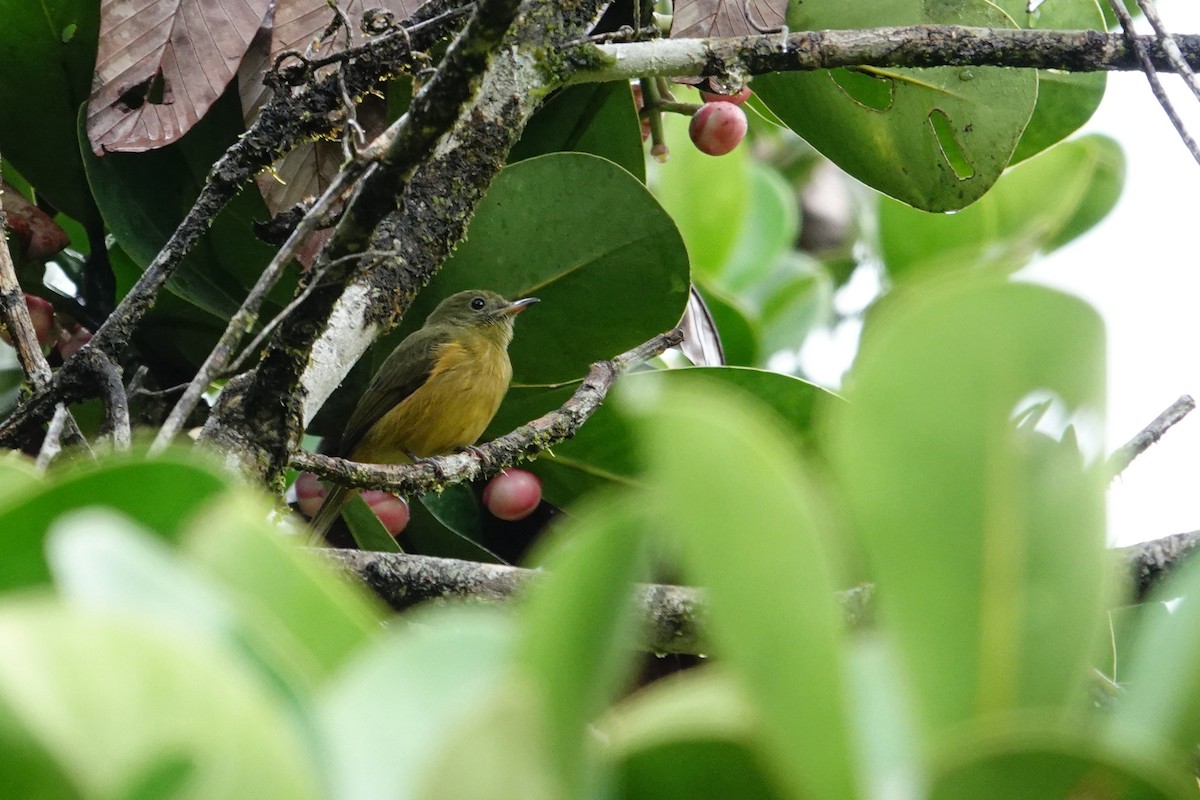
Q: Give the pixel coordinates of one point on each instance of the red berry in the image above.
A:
(717, 128)
(391, 510)
(737, 99)
(513, 494)
(41, 314)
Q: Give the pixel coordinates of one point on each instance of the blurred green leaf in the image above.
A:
(985, 537)
(103, 562)
(291, 594)
(1036, 207)
(387, 713)
(691, 735)
(1160, 672)
(769, 231)
(44, 82)
(596, 118)
(1025, 759)
(159, 494)
(604, 287)
(111, 697)
(792, 300)
(577, 635)
(28, 769)
(1065, 100)
(707, 197)
(17, 475)
(934, 138)
(719, 465)
(604, 453)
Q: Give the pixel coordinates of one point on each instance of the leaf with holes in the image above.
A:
(1065, 100)
(161, 66)
(936, 138)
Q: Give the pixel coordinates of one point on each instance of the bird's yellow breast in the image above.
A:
(449, 411)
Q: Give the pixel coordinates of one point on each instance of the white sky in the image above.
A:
(1141, 269)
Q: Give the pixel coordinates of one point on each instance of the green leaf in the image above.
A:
(604, 454)
(290, 593)
(934, 138)
(709, 218)
(159, 494)
(1028, 759)
(577, 635)
(604, 288)
(1065, 100)
(691, 735)
(1036, 207)
(113, 698)
(769, 232)
(984, 534)
(596, 118)
(103, 562)
(1160, 671)
(388, 713)
(44, 82)
(719, 465)
(365, 527)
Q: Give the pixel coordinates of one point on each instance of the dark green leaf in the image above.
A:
(596, 118)
(934, 138)
(365, 527)
(604, 287)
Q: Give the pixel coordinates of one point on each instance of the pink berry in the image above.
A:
(513, 494)
(717, 128)
(737, 99)
(391, 510)
(41, 314)
(310, 493)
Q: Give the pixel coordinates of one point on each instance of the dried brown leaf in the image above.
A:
(698, 19)
(306, 171)
(160, 65)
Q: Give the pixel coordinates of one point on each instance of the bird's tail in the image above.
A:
(332, 507)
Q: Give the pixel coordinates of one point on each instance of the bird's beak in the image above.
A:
(517, 306)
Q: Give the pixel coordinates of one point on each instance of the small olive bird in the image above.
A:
(436, 392)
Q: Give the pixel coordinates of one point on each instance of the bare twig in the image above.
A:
(52, 443)
(524, 443)
(1124, 455)
(1170, 47)
(1148, 67)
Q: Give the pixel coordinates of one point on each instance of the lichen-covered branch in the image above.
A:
(525, 442)
(1124, 455)
(911, 46)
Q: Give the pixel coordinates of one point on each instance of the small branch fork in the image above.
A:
(526, 442)
(1124, 455)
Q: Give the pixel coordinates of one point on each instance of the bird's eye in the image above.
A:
(477, 303)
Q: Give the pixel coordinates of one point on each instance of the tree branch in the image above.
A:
(1123, 456)
(911, 46)
(673, 616)
(434, 474)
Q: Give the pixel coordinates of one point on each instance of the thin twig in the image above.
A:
(116, 403)
(524, 443)
(52, 443)
(1170, 47)
(1124, 455)
(1160, 94)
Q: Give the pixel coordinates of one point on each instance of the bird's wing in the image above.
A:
(401, 374)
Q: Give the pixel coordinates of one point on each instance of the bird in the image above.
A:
(435, 393)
